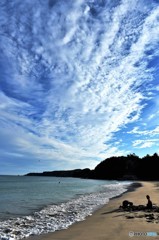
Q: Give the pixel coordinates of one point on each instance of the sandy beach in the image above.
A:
(111, 223)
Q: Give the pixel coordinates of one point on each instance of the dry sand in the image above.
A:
(108, 223)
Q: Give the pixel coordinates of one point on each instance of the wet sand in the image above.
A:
(112, 223)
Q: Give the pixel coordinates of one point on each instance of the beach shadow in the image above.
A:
(113, 211)
(118, 210)
(136, 212)
(130, 211)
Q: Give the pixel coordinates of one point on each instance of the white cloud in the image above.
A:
(77, 78)
(146, 143)
(151, 116)
(152, 132)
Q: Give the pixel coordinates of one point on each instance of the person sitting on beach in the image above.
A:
(149, 203)
(127, 204)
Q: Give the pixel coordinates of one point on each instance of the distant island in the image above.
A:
(130, 167)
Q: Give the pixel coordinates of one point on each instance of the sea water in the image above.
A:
(36, 205)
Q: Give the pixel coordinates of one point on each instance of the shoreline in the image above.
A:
(62, 215)
(109, 223)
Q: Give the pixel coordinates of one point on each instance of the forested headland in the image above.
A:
(130, 167)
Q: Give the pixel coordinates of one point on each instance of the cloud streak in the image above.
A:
(75, 74)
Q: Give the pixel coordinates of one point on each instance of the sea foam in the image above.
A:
(59, 216)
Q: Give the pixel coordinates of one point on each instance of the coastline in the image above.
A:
(110, 223)
(74, 205)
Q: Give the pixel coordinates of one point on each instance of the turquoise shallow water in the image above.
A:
(34, 205)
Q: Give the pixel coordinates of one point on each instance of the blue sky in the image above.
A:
(79, 82)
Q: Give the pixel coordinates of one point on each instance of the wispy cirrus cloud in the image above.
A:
(146, 143)
(150, 132)
(73, 75)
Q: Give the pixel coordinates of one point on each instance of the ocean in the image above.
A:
(36, 205)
